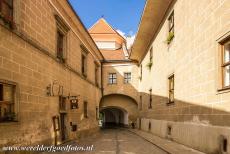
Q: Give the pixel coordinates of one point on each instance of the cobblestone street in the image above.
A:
(116, 141)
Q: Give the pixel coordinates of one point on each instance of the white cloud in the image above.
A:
(129, 38)
(121, 33)
(130, 41)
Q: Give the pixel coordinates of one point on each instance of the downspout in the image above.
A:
(102, 88)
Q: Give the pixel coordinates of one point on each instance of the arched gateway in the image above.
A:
(118, 110)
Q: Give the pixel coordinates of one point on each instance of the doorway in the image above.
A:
(63, 129)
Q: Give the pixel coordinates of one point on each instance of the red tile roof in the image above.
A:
(113, 54)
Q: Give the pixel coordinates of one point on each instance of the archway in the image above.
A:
(118, 110)
(113, 117)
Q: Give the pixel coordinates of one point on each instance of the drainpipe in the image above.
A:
(102, 88)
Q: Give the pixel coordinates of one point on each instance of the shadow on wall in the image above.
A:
(201, 126)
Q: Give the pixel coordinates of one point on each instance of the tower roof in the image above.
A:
(103, 27)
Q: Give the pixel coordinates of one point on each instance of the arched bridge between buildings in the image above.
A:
(118, 110)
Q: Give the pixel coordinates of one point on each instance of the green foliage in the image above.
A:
(170, 37)
(149, 65)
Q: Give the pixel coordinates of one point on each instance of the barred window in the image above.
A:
(7, 102)
(127, 77)
(112, 78)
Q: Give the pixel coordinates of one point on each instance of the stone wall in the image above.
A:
(28, 58)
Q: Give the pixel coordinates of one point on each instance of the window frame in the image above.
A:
(62, 29)
(127, 78)
(113, 78)
(171, 89)
(224, 64)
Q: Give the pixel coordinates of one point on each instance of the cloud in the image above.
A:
(129, 38)
(130, 41)
(121, 33)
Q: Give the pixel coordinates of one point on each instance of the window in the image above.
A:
(151, 55)
(6, 12)
(83, 65)
(150, 98)
(84, 60)
(86, 109)
(112, 78)
(60, 46)
(127, 77)
(226, 63)
(171, 89)
(62, 31)
(7, 102)
(171, 22)
(96, 74)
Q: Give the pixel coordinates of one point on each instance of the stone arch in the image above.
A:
(115, 105)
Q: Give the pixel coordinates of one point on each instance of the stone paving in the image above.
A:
(117, 141)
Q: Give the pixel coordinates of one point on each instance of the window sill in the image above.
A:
(6, 123)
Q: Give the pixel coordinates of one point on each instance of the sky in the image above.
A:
(122, 15)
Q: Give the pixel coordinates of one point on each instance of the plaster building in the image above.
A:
(48, 63)
(119, 76)
(182, 48)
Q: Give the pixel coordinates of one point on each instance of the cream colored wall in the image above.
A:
(130, 89)
(192, 57)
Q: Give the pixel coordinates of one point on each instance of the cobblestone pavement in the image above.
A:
(116, 141)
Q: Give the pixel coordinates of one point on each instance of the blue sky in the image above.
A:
(121, 14)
